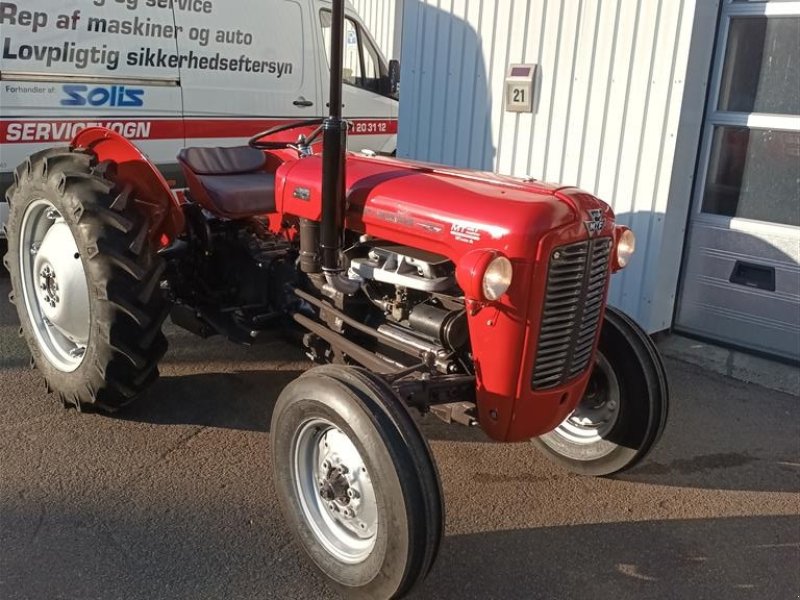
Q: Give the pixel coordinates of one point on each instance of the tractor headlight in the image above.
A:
(497, 278)
(626, 246)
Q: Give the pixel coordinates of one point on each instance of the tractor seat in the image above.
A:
(233, 179)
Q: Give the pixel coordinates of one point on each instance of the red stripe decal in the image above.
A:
(27, 131)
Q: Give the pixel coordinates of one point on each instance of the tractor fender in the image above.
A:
(133, 168)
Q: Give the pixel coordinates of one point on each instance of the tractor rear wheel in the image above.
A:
(624, 409)
(85, 279)
(356, 481)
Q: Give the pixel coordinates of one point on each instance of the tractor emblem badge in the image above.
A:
(596, 222)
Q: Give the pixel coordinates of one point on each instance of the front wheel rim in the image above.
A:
(54, 287)
(598, 411)
(335, 491)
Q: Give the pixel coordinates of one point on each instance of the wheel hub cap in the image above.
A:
(336, 491)
(63, 293)
(49, 286)
(54, 285)
(595, 416)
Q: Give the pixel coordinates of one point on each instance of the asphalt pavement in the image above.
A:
(173, 498)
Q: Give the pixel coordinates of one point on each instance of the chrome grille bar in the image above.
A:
(576, 288)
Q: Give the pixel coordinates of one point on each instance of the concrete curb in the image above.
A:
(738, 365)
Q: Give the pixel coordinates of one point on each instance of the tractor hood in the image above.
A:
(440, 209)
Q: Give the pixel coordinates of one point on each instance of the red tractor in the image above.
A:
(475, 297)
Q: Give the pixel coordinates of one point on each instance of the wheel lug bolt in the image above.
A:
(326, 465)
(331, 506)
(352, 494)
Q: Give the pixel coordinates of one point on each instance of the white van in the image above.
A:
(172, 73)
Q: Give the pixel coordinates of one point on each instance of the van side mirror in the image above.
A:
(394, 77)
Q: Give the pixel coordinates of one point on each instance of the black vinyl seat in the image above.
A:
(232, 178)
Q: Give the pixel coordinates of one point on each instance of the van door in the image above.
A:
(247, 65)
(74, 64)
(368, 104)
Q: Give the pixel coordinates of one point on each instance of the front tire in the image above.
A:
(624, 410)
(356, 482)
(85, 279)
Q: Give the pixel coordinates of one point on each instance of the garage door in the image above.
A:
(741, 279)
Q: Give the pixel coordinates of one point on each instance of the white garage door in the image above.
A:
(741, 281)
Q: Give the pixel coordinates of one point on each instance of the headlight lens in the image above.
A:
(626, 246)
(497, 278)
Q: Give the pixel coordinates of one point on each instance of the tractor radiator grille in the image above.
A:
(576, 289)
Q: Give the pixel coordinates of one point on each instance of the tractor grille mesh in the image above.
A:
(576, 286)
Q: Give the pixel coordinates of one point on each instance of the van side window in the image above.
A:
(372, 65)
(362, 65)
(351, 72)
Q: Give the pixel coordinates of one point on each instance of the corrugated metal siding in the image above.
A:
(609, 109)
(380, 17)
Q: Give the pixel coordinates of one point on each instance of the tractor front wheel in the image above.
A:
(624, 409)
(356, 481)
(85, 279)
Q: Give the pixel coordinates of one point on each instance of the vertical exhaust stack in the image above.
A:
(334, 146)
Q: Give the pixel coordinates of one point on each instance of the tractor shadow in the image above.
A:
(3, 249)
(687, 558)
(241, 400)
(722, 434)
(223, 550)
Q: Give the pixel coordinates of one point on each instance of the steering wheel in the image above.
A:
(259, 144)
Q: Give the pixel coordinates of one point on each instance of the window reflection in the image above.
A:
(762, 66)
(754, 174)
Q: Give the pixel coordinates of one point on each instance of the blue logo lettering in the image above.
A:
(74, 92)
(115, 95)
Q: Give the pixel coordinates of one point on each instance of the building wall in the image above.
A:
(383, 19)
(618, 110)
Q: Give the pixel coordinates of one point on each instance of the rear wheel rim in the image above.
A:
(335, 490)
(54, 287)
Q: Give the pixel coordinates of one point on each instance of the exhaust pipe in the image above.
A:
(334, 146)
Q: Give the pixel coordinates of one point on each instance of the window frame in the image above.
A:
(715, 118)
(361, 37)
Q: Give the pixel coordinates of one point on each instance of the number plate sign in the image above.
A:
(520, 82)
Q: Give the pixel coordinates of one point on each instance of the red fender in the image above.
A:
(133, 168)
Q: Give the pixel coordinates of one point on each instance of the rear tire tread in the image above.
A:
(122, 268)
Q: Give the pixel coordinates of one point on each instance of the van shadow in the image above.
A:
(437, 97)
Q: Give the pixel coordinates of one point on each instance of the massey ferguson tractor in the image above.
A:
(478, 298)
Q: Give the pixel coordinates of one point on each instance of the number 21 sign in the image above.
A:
(520, 85)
